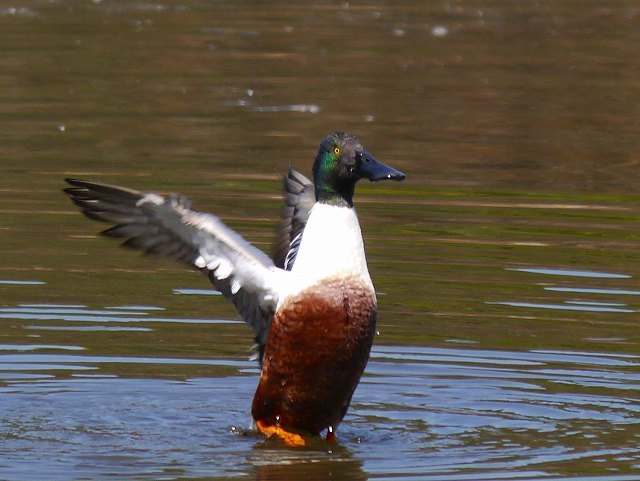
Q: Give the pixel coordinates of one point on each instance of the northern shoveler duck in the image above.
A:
(313, 310)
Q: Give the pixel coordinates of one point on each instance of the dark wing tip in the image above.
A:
(78, 186)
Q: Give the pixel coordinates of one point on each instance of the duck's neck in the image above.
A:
(330, 196)
(329, 190)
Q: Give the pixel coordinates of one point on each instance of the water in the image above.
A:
(506, 264)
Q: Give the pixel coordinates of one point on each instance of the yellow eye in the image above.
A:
(336, 150)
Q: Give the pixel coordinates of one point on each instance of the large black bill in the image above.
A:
(373, 170)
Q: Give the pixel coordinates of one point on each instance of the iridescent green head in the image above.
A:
(340, 163)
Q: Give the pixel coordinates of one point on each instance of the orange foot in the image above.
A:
(290, 439)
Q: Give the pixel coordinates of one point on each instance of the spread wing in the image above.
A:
(299, 199)
(168, 227)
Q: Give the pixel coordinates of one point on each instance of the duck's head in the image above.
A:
(340, 163)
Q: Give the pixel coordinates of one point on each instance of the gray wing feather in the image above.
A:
(169, 228)
(300, 197)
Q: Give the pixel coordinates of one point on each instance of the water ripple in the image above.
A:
(474, 409)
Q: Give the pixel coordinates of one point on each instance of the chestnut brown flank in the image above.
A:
(317, 349)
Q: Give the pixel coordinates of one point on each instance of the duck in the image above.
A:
(313, 307)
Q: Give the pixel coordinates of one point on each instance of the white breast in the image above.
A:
(331, 246)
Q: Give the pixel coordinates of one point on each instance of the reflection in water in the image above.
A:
(36, 347)
(315, 462)
(37, 327)
(572, 273)
(566, 307)
(592, 290)
(115, 314)
(577, 305)
(197, 292)
(21, 282)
